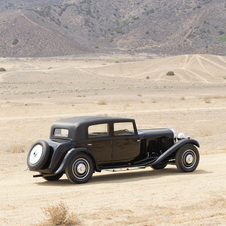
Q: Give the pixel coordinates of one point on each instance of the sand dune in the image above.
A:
(187, 68)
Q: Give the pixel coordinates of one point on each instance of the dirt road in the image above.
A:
(36, 92)
(138, 197)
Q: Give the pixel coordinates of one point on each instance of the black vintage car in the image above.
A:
(80, 146)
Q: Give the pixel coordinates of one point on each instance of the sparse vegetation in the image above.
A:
(221, 38)
(15, 41)
(207, 100)
(147, 12)
(117, 61)
(147, 77)
(170, 73)
(59, 215)
(16, 148)
(119, 30)
(2, 69)
(101, 102)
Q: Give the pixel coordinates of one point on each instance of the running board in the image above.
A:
(144, 161)
(39, 175)
(122, 169)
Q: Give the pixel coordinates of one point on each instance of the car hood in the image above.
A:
(155, 133)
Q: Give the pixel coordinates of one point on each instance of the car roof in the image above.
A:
(91, 120)
(77, 125)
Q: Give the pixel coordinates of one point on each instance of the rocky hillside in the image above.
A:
(32, 28)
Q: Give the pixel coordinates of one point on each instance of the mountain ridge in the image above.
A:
(57, 28)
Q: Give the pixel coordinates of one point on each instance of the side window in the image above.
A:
(98, 130)
(123, 128)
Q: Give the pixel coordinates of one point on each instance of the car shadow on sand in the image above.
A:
(125, 176)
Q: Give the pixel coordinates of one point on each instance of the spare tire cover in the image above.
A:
(38, 155)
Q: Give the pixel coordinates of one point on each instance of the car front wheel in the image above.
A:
(80, 169)
(187, 158)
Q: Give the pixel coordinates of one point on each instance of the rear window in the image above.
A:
(61, 132)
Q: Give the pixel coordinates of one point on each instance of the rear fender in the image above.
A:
(174, 148)
(73, 152)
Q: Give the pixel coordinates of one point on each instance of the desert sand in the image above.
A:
(35, 92)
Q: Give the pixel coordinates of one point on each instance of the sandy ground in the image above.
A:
(36, 92)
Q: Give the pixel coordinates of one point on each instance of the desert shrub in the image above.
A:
(2, 69)
(221, 32)
(117, 61)
(170, 73)
(149, 11)
(15, 41)
(221, 38)
(119, 30)
(207, 100)
(14, 148)
(101, 102)
(147, 77)
(58, 215)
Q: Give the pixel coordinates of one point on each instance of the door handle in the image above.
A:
(89, 144)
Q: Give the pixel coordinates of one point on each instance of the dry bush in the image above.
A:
(139, 95)
(101, 102)
(219, 97)
(58, 215)
(182, 98)
(16, 148)
(207, 100)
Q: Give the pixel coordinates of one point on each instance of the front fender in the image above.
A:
(72, 153)
(173, 149)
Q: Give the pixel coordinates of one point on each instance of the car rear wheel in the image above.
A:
(80, 169)
(158, 166)
(187, 158)
(38, 155)
(53, 178)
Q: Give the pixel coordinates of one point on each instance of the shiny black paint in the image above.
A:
(101, 148)
(144, 148)
(125, 149)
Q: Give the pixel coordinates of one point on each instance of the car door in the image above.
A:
(100, 143)
(126, 143)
